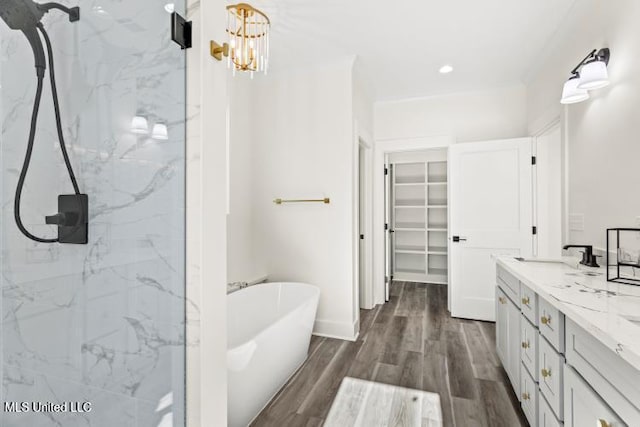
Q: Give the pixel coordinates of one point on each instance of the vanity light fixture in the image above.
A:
(571, 94)
(160, 132)
(139, 125)
(591, 73)
(248, 45)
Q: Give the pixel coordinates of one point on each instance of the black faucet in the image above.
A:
(588, 258)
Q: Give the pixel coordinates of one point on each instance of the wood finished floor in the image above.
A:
(411, 341)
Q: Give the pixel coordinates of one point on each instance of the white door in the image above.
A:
(490, 214)
(547, 192)
(362, 259)
(388, 230)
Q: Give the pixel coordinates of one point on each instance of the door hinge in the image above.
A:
(534, 160)
(386, 227)
(386, 171)
(181, 31)
(534, 230)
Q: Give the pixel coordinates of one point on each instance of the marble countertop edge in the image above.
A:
(623, 339)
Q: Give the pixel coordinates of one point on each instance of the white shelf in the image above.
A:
(408, 249)
(437, 250)
(438, 203)
(410, 270)
(409, 226)
(420, 217)
(411, 184)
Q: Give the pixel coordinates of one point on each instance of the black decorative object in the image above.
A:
(625, 266)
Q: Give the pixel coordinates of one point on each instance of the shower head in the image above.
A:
(20, 14)
(25, 16)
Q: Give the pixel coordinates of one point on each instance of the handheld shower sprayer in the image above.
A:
(72, 216)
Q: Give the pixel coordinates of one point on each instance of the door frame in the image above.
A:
(363, 298)
(383, 148)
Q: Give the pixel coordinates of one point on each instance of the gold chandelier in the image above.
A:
(248, 46)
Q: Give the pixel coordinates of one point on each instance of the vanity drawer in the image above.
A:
(529, 303)
(551, 324)
(616, 381)
(509, 284)
(529, 347)
(550, 376)
(529, 397)
(584, 407)
(546, 417)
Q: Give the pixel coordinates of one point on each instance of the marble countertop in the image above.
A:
(609, 311)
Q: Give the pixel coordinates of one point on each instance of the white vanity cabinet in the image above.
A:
(562, 374)
(584, 407)
(508, 336)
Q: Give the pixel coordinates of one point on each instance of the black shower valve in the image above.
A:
(68, 219)
(72, 218)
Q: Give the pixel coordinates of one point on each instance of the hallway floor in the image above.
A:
(411, 341)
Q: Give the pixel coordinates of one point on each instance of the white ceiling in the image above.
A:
(403, 43)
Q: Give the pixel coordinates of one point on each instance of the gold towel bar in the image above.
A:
(326, 201)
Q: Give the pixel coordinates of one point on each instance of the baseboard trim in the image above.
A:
(340, 330)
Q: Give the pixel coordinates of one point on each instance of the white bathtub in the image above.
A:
(269, 329)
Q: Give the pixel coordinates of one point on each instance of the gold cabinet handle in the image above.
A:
(502, 300)
(525, 344)
(603, 423)
(545, 372)
(526, 300)
(525, 396)
(546, 320)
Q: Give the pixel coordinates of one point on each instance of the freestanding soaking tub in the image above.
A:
(269, 329)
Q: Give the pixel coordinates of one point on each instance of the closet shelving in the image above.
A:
(420, 215)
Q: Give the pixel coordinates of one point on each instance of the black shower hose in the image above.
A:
(32, 135)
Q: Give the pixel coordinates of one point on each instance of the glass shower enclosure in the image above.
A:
(98, 328)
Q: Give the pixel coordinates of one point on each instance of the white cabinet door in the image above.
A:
(583, 407)
(513, 344)
(502, 328)
(508, 336)
(490, 214)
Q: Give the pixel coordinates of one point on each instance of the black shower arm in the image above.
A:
(73, 12)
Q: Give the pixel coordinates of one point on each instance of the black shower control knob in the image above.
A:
(57, 219)
(67, 219)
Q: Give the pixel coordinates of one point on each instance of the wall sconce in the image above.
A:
(139, 125)
(591, 73)
(160, 132)
(248, 45)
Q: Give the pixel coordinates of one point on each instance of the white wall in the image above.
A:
(601, 133)
(244, 260)
(206, 222)
(496, 114)
(302, 147)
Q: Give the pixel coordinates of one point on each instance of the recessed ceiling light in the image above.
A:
(446, 69)
(170, 7)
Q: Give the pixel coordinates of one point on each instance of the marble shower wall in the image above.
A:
(103, 322)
